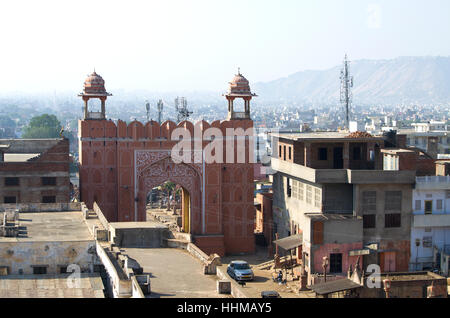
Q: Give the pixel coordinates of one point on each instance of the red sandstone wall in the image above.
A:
(107, 175)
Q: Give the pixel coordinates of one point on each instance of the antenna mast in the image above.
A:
(181, 108)
(160, 109)
(147, 107)
(346, 92)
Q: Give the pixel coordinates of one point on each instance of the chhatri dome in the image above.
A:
(94, 85)
(239, 86)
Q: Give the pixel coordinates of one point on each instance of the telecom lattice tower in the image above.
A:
(181, 108)
(147, 107)
(346, 90)
(160, 106)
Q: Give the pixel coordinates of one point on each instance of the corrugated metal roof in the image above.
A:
(290, 242)
(334, 286)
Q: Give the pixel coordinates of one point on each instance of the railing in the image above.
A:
(433, 179)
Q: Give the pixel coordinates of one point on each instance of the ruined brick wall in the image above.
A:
(53, 162)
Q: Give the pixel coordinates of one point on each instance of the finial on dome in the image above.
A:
(239, 71)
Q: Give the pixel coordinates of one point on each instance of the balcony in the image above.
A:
(431, 220)
(342, 175)
(433, 183)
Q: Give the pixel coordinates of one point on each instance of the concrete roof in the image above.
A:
(19, 157)
(51, 226)
(332, 136)
(331, 216)
(136, 225)
(50, 286)
(395, 151)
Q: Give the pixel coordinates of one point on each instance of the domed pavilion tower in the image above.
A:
(94, 87)
(239, 88)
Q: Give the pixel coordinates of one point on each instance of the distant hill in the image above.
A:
(404, 79)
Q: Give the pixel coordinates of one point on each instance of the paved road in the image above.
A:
(174, 273)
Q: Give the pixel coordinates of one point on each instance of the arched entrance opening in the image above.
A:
(169, 203)
(185, 178)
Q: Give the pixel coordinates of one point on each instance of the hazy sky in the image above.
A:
(175, 45)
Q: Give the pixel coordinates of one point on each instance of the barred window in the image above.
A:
(308, 194)
(11, 181)
(439, 204)
(393, 200)
(369, 221)
(369, 202)
(317, 198)
(447, 194)
(392, 220)
(48, 181)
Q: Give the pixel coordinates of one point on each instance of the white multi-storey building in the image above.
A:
(430, 229)
(418, 137)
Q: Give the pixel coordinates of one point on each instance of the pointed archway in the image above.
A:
(159, 171)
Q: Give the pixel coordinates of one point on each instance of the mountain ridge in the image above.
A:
(405, 79)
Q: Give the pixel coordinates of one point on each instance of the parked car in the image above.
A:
(270, 294)
(240, 271)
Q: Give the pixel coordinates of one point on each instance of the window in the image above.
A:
(288, 187)
(295, 189)
(317, 198)
(308, 194)
(369, 202)
(418, 205)
(357, 153)
(336, 263)
(284, 152)
(427, 241)
(290, 150)
(63, 269)
(438, 204)
(393, 200)
(369, 221)
(428, 207)
(48, 181)
(317, 232)
(392, 220)
(279, 151)
(39, 270)
(49, 199)
(447, 194)
(300, 191)
(323, 154)
(9, 200)
(11, 181)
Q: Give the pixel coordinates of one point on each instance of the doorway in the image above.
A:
(169, 203)
(338, 159)
(336, 263)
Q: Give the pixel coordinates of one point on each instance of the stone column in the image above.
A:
(85, 107)
(103, 100)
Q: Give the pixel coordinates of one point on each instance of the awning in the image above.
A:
(290, 242)
(334, 286)
(364, 251)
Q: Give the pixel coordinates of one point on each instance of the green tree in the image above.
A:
(44, 126)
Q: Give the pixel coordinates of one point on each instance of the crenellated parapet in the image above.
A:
(152, 130)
